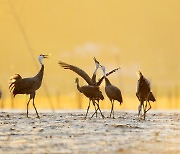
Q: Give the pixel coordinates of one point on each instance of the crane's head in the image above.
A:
(41, 57)
(139, 74)
(96, 62)
(76, 80)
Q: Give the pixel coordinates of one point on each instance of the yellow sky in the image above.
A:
(139, 35)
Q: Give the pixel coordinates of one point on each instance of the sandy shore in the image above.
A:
(69, 132)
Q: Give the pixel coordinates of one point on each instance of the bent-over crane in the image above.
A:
(91, 92)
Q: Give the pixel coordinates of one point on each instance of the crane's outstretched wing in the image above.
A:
(107, 74)
(77, 70)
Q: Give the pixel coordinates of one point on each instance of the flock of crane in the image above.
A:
(19, 85)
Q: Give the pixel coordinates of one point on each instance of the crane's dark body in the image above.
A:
(113, 93)
(144, 94)
(91, 92)
(28, 86)
(143, 89)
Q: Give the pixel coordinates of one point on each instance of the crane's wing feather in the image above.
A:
(92, 92)
(17, 85)
(107, 74)
(77, 70)
(143, 85)
(25, 86)
(151, 97)
(12, 82)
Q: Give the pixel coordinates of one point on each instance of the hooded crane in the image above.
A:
(28, 86)
(91, 92)
(144, 94)
(94, 82)
(85, 76)
(99, 81)
(112, 91)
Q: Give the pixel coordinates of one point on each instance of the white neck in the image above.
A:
(95, 70)
(40, 60)
(104, 71)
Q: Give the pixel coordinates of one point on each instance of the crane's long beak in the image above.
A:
(95, 60)
(100, 66)
(46, 56)
(139, 74)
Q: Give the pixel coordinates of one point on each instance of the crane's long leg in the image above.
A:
(99, 109)
(139, 108)
(35, 109)
(88, 108)
(111, 108)
(28, 105)
(95, 109)
(146, 107)
(34, 105)
(149, 107)
(94, 112)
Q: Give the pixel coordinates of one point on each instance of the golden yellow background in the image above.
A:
(135, 34)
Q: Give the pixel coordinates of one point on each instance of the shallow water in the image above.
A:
(69, 132)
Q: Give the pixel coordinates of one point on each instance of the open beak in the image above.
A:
(45, 56)
(95, 60)
(100, 66)
(139, 74)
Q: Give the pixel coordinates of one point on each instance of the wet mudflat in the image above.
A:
(69, 132)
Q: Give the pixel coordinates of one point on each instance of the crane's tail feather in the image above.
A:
(151, 97)
(101, 96)
(12, 83)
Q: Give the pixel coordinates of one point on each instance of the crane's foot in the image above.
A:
(144, 118)
(38, 116)
(103, 116)
(27, 116)
(85, 118)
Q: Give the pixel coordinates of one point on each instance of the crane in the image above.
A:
(112, 91)
(28, 86)
(144, 94)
